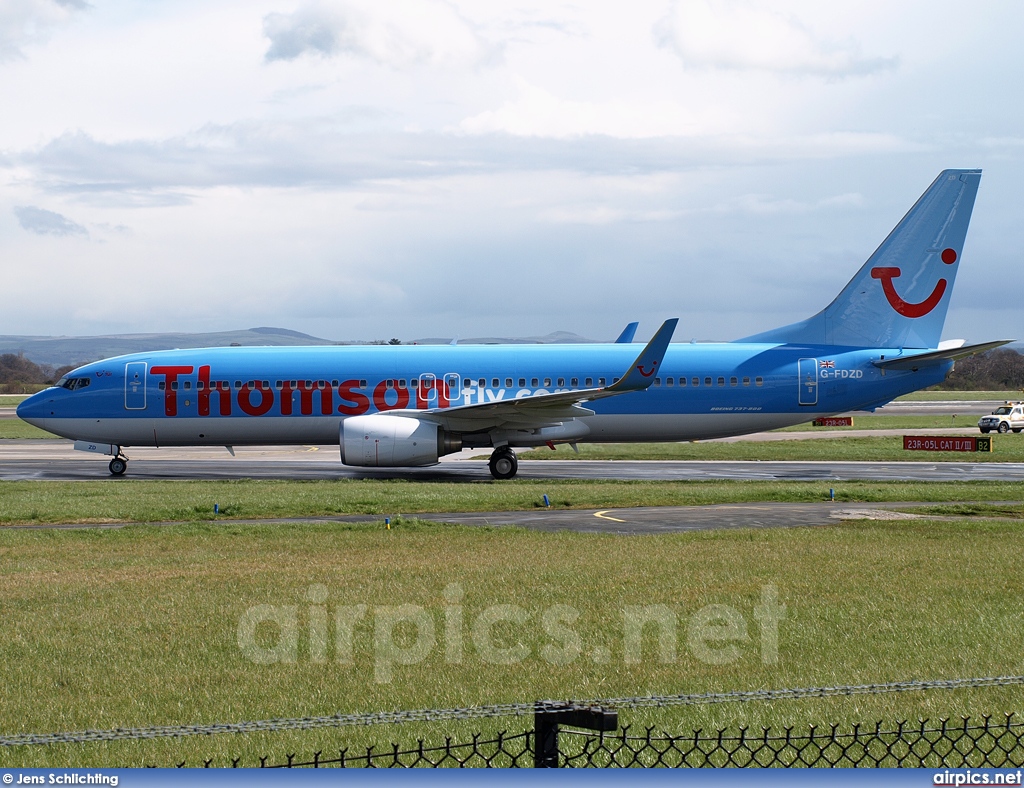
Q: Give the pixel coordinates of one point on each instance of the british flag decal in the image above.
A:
(827, 364)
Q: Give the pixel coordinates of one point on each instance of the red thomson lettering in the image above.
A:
(206, 389)
(286, 397)
(170, 386)
(347, 393)
(306, 389)
(380, 393)
(245, 399)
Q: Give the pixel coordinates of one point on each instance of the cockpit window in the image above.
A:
(72, 384)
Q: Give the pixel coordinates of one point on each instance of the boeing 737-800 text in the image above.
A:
(403, 406)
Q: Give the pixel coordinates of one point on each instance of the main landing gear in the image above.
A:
(503, 463)
(118, 466)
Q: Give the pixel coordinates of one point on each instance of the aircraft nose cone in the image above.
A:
(36, 408)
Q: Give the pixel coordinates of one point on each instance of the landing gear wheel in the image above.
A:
(503, 463)
(1003, 427)
(118, 466)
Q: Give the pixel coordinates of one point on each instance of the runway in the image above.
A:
(49, 460)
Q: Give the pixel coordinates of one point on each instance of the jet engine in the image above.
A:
(382, 441)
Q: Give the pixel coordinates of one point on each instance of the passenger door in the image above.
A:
(135, 385)
(807, 372)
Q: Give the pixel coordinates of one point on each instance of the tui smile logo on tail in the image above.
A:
(905, 308)
(640, 369)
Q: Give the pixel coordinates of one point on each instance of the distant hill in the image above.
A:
(64, 351)
(74, 351)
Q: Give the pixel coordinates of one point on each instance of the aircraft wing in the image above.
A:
(543, 409)
(936, 357)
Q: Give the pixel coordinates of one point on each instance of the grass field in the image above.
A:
(136, 501)
(139, 626)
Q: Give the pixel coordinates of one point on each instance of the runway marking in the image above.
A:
(602, 514)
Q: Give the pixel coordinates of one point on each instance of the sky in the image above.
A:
(366, 169)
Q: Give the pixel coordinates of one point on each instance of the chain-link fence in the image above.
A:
(963, 743)
(589, 734)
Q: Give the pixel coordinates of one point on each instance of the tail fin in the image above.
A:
(900, 296)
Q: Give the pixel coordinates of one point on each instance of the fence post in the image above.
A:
(548, 715)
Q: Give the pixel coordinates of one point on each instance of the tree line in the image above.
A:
(19, 375)
(997, 370)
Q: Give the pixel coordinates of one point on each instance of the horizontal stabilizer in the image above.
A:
(937, 357)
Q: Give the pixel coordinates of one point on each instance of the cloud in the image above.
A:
(536, 112)
(26, 22)
(737, 35)
(399, 33)
(319, 155)
(43, 222)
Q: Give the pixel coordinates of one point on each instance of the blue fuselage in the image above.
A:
(237, 396)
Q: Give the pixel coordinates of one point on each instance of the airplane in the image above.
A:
(406, 406)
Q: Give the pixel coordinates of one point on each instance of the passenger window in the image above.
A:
(494, 383)
(746, 381)
(401, 383)
(534, 382)
(362, 384)
(657, 381)
(174, 385)
(574, 382)
(522, 382)
(466, 384)
(201, 385)
(561, 382)
(707, 381)
(669, 381)
(600, 381)
(508, 383)
(188, 385)
(589, 382)
(547, 382)
(482, 383)
(759, 381)
(160, 385)
(733, 381)
(335, 383)
(695, 381)
(721, 381)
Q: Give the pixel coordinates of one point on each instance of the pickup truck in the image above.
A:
(1008, 416)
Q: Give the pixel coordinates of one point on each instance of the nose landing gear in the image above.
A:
(118, 466)
(503, 463)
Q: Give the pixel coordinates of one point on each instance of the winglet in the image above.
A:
(641, 373)
(627, 334)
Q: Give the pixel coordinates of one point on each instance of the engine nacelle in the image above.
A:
(382, 441)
